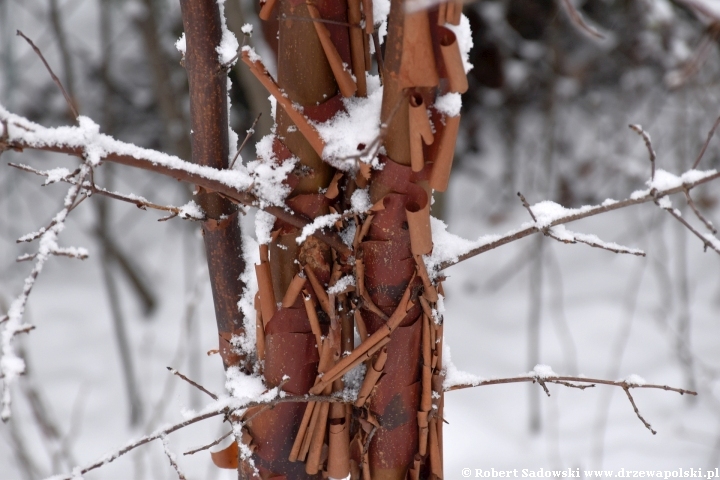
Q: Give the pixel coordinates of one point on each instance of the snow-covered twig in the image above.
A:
(171, 456)
(239, 185)
(462, 249)
(189, 211)
(10, 364)
(222, 409)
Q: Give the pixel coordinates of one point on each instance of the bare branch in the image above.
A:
(209, 445)
(52, 74)
(576, 382)
(140, 202)
(701, 217)
(196, 385)
(250, 133)
(707, 143)
(648, 144)
(578, 214)
(171, 456)
(198, 418)
(637, 412)
(578, 20)
(527, 206)
(706, 239)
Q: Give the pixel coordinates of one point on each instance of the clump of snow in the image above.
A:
(191, 210)
(449, 104)
(358, 125)
(453, 376)
(542, 371)
(634, 380)
(254, 57)
(246, 304)
(360, 200)
(341, 284)
(56, 175)
(319, 223)
(348, 234)
(245, 387)
(247, 29)
(565, 235)
(464, 39)
(181, 44)
(353, 381)
(263, 226)
(449, 247)
(227, 50)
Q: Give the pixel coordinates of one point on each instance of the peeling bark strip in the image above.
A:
(210, 147)
(395, 427)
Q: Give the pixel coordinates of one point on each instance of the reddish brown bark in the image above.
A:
(210, 147)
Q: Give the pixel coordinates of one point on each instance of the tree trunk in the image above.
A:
(306, 329)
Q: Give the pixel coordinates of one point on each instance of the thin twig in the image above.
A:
(701, 217)
(574, 215)
(52, 74)
(578, 20)
(572, 381)
(648, 143)
(707, 143)
(319, 20)
(527, 206)
(196, 385)
(171, 457)
(637, 412)
(250, 133)
(676, 215)
(209, 445)
(139, 202)
(563, 378)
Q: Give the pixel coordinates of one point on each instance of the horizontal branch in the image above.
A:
(687, 182)
(543, 378)
(225, 410)
(560, 379)
(18, 133)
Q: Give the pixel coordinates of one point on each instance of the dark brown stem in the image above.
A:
(57, 81)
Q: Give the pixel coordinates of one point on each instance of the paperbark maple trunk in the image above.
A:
(306, 335)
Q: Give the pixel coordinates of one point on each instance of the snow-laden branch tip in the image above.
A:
(449, 249)
(11, 365)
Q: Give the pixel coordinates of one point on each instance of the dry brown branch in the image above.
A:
(197, 418)
(707, 143)
(52, 74)
(637, 412)
(194, 384)
(93, 189)
(648, 144)
(707, 242)
(579, 214)
(700, 216)
(577, 382)
(171, 456)
(578, 20)
(209, 445)
(250, 133)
